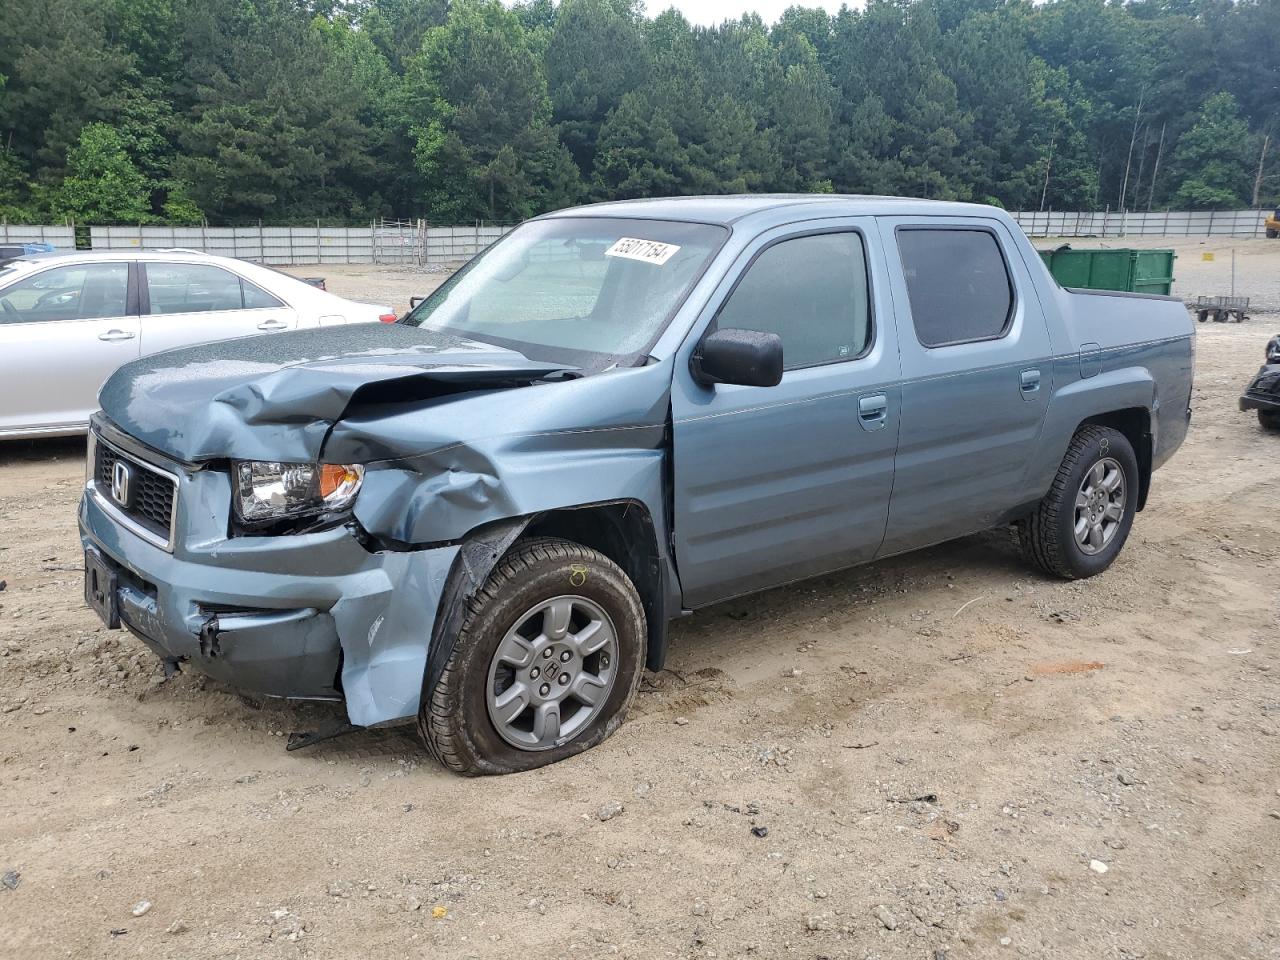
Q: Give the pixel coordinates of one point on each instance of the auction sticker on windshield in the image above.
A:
(650, 251)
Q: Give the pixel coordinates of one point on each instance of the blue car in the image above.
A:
(12, 251)
(482, 518)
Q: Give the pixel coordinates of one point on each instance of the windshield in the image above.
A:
(582, 290)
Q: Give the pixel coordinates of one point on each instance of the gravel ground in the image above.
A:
(939, 756)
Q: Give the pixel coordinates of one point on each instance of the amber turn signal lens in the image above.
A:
(336, 476)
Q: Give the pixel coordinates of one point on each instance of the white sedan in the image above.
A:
(68, 320)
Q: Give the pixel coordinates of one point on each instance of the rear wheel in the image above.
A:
(1270, 419)
(1272, 234)
(1082, 523)
(545, 665)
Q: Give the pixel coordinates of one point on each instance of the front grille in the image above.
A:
(150, 499)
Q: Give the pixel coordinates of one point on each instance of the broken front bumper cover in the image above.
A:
(307, 616)
(1264, 392)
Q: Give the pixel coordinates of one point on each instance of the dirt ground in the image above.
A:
(944, 755)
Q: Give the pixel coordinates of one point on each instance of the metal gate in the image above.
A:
(398, 241)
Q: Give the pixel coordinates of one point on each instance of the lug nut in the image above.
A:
(544, 689)
(546, 653)
(533, 674)
(564, 678)
(564, 657)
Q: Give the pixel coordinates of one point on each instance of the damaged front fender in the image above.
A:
(464, 446)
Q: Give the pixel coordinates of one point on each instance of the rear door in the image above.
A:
(976, 377)
(63, 331)
(186, 303)
(772, 484)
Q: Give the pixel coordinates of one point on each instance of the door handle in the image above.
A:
(112, 335)
(1030, 383)
(273, 325)
(873, 411)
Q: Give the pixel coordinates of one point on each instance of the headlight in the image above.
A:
(267, 490)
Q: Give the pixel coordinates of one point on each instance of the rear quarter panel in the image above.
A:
(1117, 351)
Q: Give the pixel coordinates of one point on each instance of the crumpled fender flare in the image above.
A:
(478, 555)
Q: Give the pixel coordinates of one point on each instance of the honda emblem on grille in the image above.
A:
(121, 477)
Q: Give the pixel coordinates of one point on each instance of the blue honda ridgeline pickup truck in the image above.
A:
(484, 516)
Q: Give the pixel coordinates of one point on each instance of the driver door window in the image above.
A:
(82, 292)
(63, 331)
(812, 292)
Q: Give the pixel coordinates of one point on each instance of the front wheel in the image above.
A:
(1083, 521)
(546, 663)
(1272, 234)
(1270, 419)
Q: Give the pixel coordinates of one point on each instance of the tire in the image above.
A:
(1270, 419)
(1202, 315)
(1048, 536)
(1272, 234)
(457, 721)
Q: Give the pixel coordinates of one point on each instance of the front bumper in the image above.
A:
(309, 616)
(1264, 392)
(1255, 402)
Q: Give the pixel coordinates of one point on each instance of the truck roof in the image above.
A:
(730, 209)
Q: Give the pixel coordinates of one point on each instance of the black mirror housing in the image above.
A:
(748, 358)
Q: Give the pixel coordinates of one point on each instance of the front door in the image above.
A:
(63, 331)
(777, 483)
(976, 377)
(188, 303)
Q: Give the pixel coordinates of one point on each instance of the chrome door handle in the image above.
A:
(113, 335)
(273, 325)
(873, 411)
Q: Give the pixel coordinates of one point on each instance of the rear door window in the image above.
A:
(255, 298)
(958, 284)
(92, 291)
(192, 288)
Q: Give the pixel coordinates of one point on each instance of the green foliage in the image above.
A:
(241, 110)
(595, 56)
(477, 101)
(16, 204)
(1210, 160)
(102, 185)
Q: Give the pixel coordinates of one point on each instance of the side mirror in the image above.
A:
(745, 357)
(414, 301)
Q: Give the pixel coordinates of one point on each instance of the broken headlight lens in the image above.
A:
(268, 490)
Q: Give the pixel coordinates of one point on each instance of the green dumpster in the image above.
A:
(1135, 271)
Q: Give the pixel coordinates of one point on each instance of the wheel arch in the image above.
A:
(622, 530)
(1135, 424)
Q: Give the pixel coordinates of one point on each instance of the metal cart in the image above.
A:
(1222, 309)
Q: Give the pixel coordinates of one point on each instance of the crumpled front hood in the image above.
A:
(276, 397)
